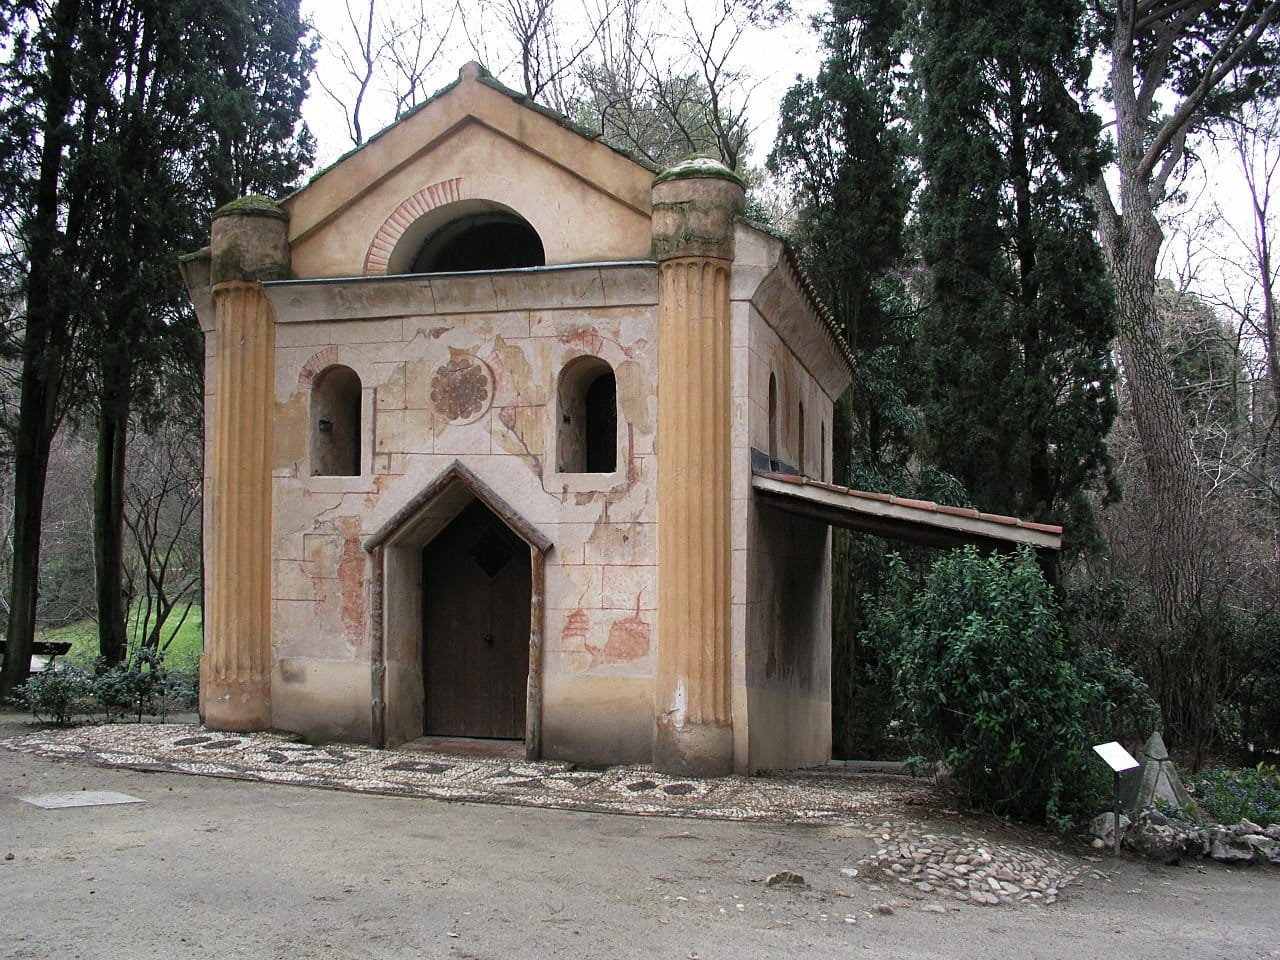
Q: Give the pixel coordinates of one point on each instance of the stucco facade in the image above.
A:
(360, 404)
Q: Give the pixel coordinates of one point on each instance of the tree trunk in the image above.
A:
(31, 463)
(1176, 572)
(108, 525)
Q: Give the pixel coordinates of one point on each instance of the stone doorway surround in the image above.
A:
(397, 693)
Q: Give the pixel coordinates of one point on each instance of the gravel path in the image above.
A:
(914, 864)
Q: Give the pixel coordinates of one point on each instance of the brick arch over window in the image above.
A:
(538, 211)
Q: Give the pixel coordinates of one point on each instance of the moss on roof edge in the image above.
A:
(254, 205)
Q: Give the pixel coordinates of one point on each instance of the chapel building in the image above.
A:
(511, 436)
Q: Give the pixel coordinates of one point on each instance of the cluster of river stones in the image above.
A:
(964, 867)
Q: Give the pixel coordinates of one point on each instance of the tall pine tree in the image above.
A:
(1018, 321)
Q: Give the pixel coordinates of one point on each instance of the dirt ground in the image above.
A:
(220, 868)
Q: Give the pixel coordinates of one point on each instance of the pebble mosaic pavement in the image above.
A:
(912, 860)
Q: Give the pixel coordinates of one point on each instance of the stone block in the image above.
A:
(405, 431)
(597, 719)
(326, 699)
(522, 431)
(622, 544)
(390, 391)
(630, 286)
(570, 587)
(370, 331)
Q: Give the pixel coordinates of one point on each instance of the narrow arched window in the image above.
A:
(335, 423)
(800, 464)
(587, 422)
(773, 420)
(822, 454)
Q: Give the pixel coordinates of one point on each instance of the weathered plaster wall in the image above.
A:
(781, 563)
(465, 368)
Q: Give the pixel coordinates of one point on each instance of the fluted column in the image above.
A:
(694, 210)
(249, 245)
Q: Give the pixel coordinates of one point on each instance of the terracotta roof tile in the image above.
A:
(915, 504)
(882, 497)
(1042, 527)
(1000, 518)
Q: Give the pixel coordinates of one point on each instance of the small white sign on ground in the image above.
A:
(80, 798)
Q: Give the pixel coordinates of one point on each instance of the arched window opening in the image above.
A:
(587, 425)
(489, 240)
(773, 419)
(800, 464)
(335, 423)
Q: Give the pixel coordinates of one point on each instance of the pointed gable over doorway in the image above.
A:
(458, 623)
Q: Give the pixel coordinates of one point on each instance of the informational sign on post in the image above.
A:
(1117, 757)
(1121, 761)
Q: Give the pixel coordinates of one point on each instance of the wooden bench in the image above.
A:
(44, 648)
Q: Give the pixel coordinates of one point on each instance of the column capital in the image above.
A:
(249, 242)
(695, 204)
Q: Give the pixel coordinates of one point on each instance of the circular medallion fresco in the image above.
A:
(462, 389)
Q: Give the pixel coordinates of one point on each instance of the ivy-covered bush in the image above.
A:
(982, 682)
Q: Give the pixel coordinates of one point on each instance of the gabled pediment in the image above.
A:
(474, 147)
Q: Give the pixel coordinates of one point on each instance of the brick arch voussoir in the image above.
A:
(404, 216)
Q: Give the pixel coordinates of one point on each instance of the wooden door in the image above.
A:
(476, 579)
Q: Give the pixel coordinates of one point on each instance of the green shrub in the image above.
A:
(1117, 703)
(138, 685)
(983, 683)
(1229, 796)
(182, 691)
(57, 695)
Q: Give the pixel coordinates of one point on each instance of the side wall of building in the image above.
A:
(781, 563)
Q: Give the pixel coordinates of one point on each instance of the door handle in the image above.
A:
(489, 638)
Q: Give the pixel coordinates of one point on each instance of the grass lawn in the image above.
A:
(182, 653)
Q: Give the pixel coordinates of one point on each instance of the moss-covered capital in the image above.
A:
(695, 204)
(254, 205)
(699, 167)
(250, 241)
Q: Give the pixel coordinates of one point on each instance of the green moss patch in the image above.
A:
(252, 206)
(699, 168)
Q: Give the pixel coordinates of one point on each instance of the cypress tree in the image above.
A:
(1018, 319)
(843, 147)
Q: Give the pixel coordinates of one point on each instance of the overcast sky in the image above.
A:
(770, 58)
